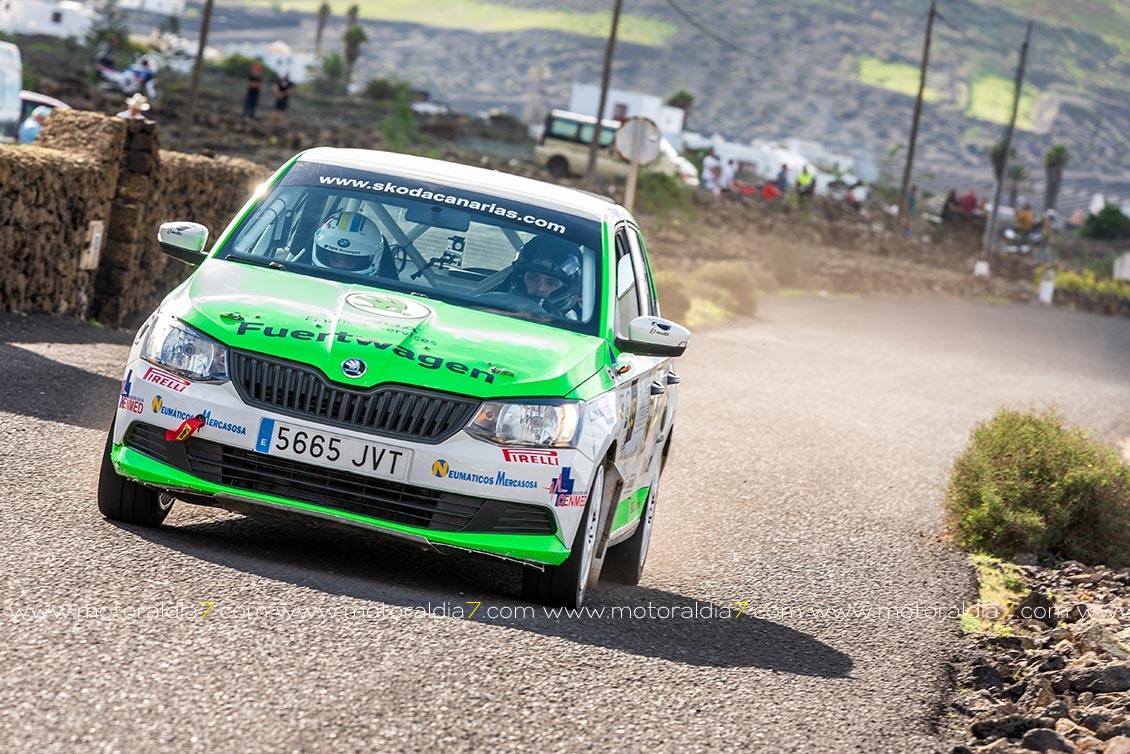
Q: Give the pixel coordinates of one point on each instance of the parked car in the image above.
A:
(11, 78)
(449, 355)
(564, 149)
(31, 100)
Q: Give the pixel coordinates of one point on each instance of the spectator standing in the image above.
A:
(952, 204)
(254, 84)
(712, 173)
(136, 106)
(1025, 219)
(283, 89)
(783, 178)
(969, 201)
(805, 186)
(29, 129)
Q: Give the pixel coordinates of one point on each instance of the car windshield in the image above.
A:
(455, 245)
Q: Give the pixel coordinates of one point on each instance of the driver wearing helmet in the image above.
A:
(349, 241)
(548, 270)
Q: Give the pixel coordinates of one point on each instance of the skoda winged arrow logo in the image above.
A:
(353, 368)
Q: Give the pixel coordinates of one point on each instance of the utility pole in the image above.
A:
(903, 205)
(590, 171)
(205, 21)
(991, 226)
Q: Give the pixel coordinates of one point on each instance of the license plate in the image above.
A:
(324, 449)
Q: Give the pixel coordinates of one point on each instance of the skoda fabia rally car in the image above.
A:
(448, 355)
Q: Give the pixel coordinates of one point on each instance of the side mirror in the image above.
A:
(183, 241)
(654, 336)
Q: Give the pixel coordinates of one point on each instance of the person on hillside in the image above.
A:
(712, 173)
(783, 178)
(254, 84)
(1025, 219)
(952, 205)
(29, 129)
(136, 107)
(805, 186)
(283, 89)
(969, 202)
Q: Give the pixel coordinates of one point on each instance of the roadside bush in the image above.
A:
(787, 262)
(661, 194)
(383, 90)
(1027, 483)
(734, 277)
(674, 298)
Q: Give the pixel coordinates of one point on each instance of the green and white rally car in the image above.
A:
(444, 354)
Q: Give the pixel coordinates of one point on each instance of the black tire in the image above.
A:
(124, 500)
(623, 563)
(558, 167)
(565, 585)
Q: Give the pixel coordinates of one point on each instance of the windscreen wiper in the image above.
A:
(257, 261)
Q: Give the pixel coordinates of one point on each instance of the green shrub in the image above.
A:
(674, 298)
(239, 66)
(1108, 223)
(1027, 483)
(384, 90)
(734, 277)
(662, 194)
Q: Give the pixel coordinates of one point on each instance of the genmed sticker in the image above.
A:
(525, 455)
(126, 400)
(165, 379)
(561, 490)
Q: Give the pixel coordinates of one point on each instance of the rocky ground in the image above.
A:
(1052, 673)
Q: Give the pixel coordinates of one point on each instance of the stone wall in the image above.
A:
(49, 195)
(88, 166)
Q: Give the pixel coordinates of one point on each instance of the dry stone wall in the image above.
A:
(49, 196)
(92, 167)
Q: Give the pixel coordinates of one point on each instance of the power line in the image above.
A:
(953, 26)
(719, 39)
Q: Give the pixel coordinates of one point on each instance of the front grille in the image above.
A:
(388, 410)
(341, 490)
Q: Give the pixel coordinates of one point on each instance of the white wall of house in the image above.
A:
(55, 18)
(622, 104)
(276, 55)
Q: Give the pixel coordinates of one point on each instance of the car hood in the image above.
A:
(400, 338)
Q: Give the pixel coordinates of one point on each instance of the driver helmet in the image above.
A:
(348, 241)
(542, 262)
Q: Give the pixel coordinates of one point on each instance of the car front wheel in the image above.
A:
(124, 500)
(565, 585)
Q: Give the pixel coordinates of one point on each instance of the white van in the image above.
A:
(564, 149)
(11, 79)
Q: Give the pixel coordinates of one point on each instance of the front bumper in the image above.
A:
(473, 495)
(538, 548)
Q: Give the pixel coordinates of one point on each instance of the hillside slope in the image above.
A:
(842, 72)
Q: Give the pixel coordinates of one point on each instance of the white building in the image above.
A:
(54, 18)
(622, 104)
(278, 56)
(160, 7)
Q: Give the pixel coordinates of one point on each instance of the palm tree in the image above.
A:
(1055, 160)
(683, 100)
(323, 16)
(351, 16)
(1016, 176)
(331, 72)
(353, 38)
(996, 156)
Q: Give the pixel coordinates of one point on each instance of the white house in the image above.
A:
(160, 7)
(622, 104)
(55, 18)
(276, 55)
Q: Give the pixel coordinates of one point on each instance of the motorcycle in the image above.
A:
(140, 77)
(1017, 242)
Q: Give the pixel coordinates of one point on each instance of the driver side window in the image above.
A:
(627, 290)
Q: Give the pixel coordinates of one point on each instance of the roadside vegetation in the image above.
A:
(1029, 485)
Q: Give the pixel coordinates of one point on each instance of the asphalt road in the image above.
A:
(811, 452)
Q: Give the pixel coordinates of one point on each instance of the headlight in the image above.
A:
(186, 351)
(546, 424)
